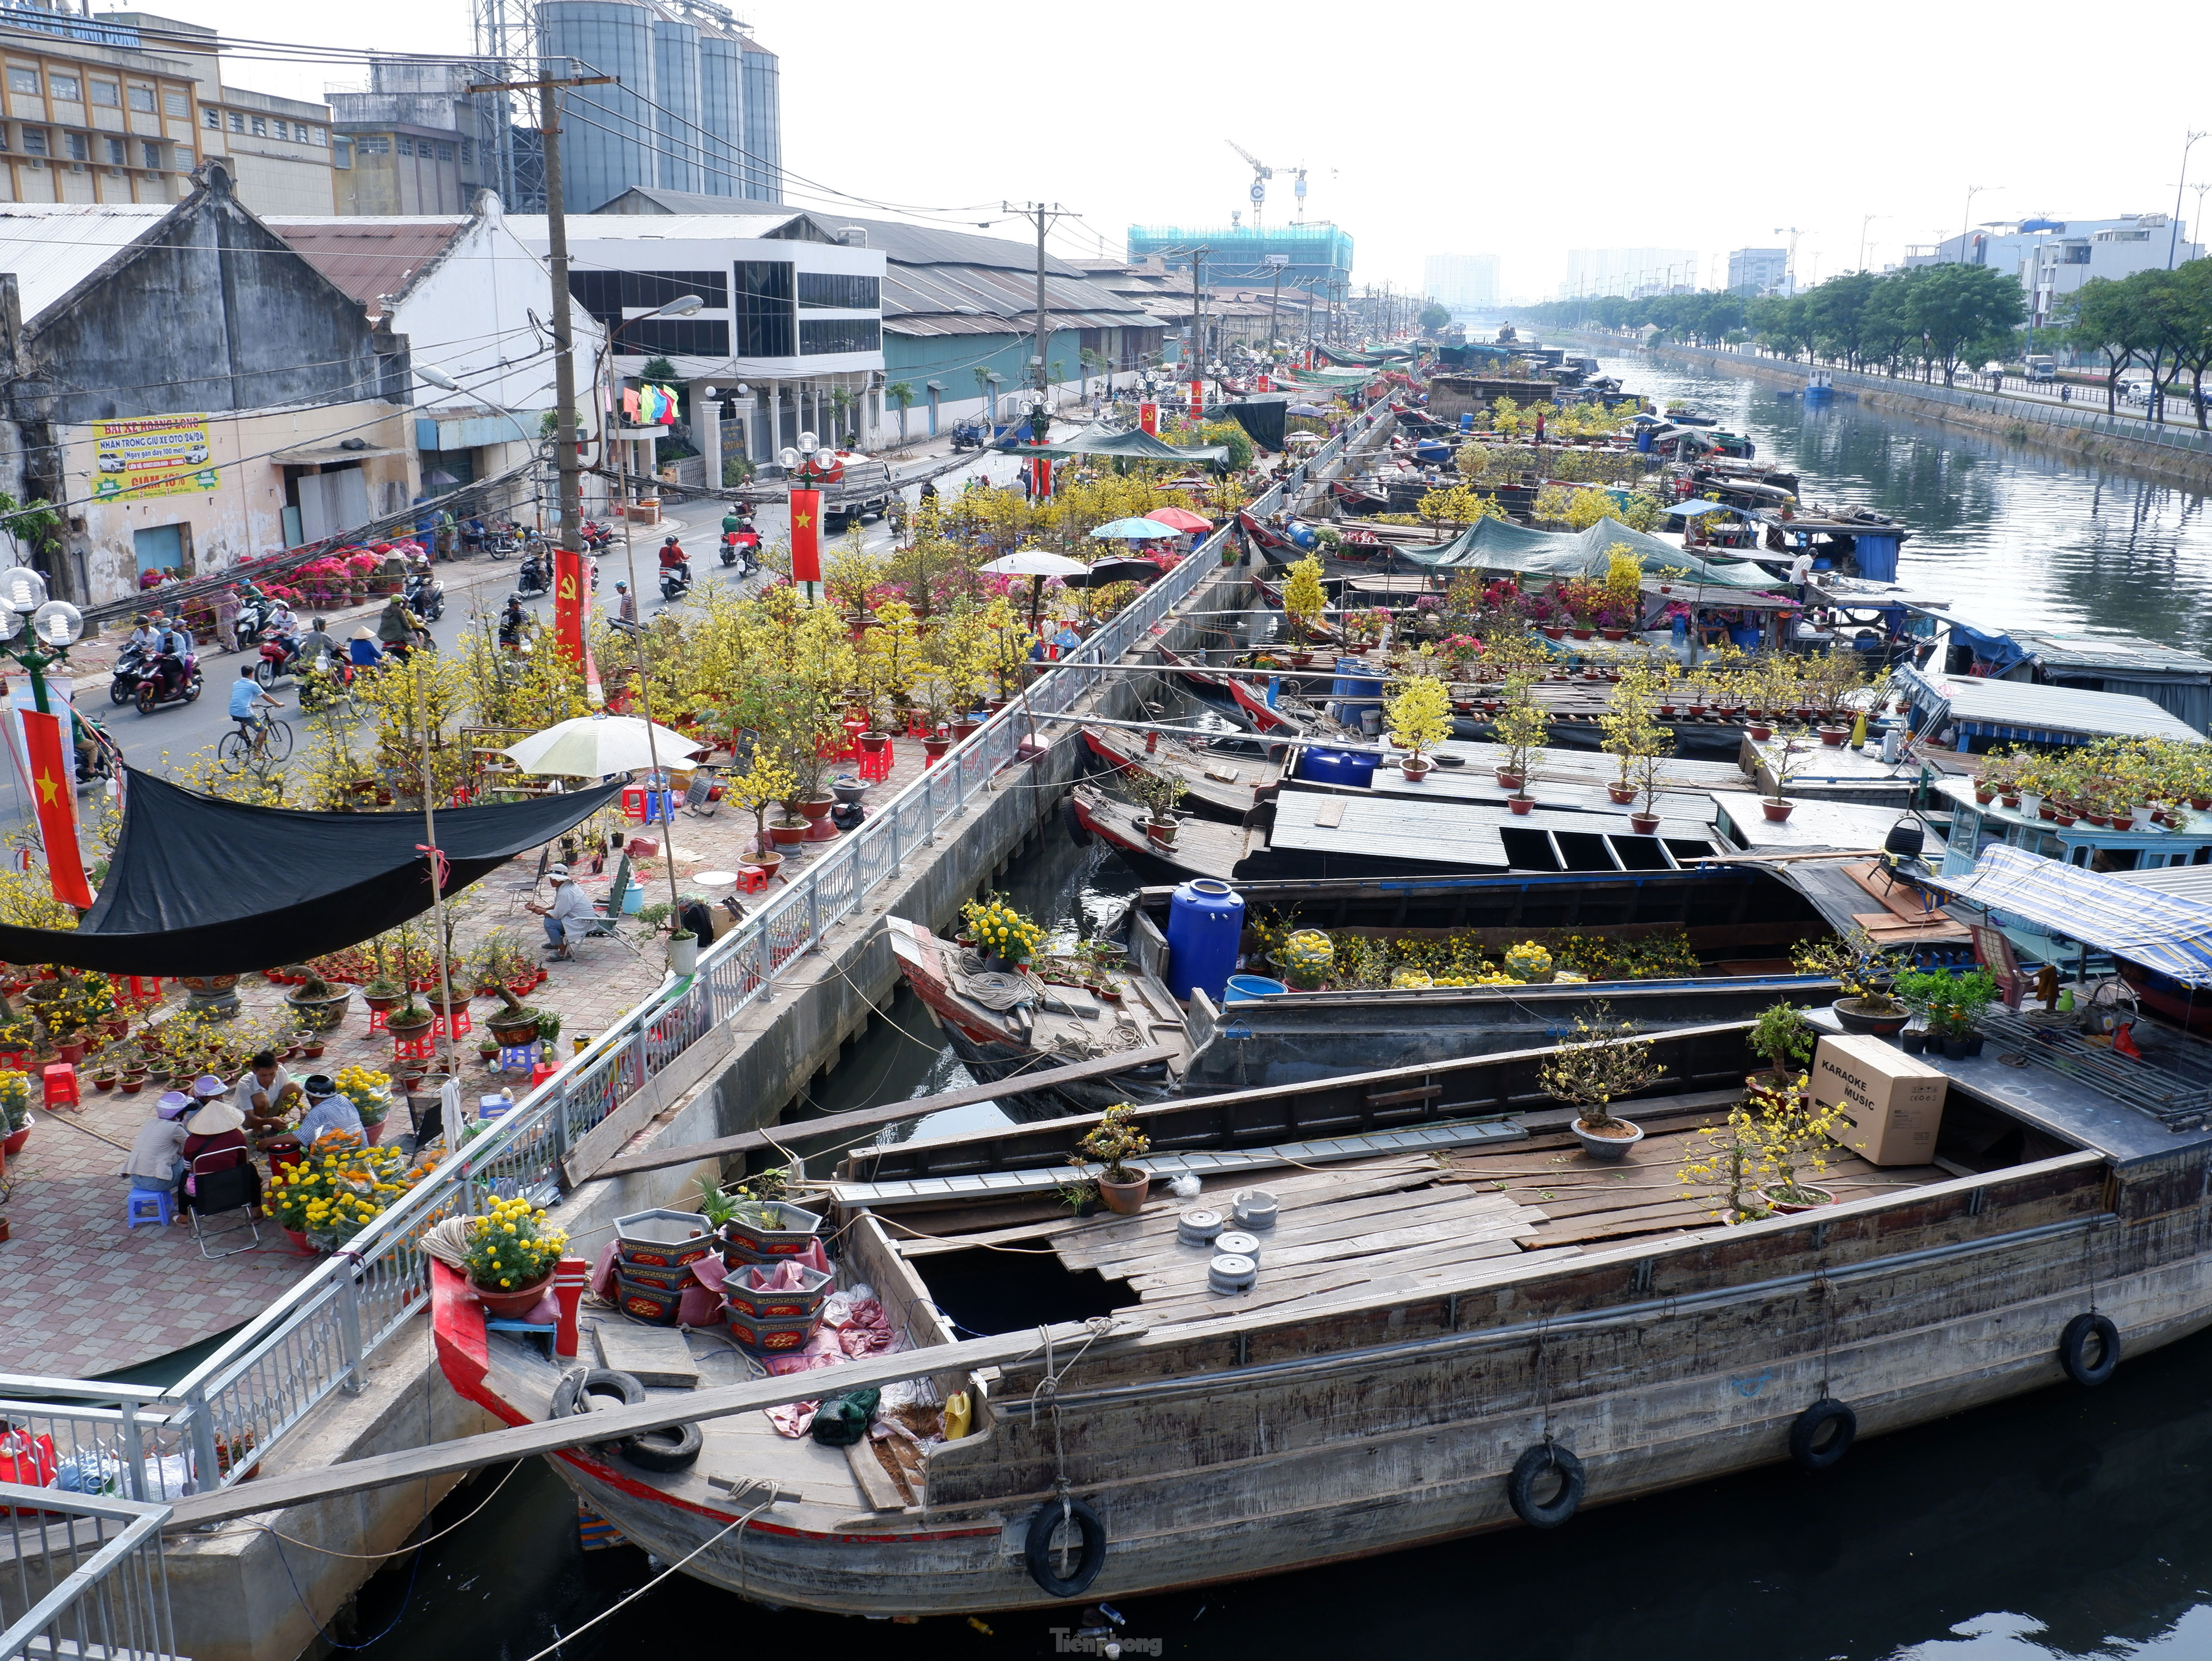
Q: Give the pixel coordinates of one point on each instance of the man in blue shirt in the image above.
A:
(244, 693)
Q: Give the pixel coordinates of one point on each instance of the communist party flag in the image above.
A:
(53, 778)
(806, 536)
(1148, 417)
(569, 603)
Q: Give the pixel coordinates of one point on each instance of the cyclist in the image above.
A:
(245, 694)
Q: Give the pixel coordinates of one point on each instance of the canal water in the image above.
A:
(2070, 1523)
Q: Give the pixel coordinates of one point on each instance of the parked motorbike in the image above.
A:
(182, 679)
(597, 537)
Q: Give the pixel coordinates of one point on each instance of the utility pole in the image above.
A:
(570, 494)
(1044, 215)
(2174, 226)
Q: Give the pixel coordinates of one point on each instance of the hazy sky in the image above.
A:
(1446, 128)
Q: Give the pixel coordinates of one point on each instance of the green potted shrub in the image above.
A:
(1112, 1143)
(1782, 1037)
(1950, 1002)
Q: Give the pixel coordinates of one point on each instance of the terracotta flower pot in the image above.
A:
(504, 1304)
(1622, 794)
(1777, 811)
(1834, 736)
(12, 1144)
(874, 742)
(788, 835)
(1521, 804)
(1162, 833)
(1644, 824)
(1415, 769)
(1125, 1198)
(1760, 734)
(1509, 781)
(768, 861)
(933, 749)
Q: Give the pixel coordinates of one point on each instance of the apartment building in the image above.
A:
(90, 115)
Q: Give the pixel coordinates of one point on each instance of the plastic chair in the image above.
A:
(229, 1188)
(157, 1206)
(59, 1079)
(876, 764)
(751, 878)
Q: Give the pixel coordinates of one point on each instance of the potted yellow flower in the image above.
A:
(1007, 939)
(511, 1254)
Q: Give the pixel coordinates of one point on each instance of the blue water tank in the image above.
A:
(1359, 683)
(1337, 767)
(1305, 536)
(1206, 920)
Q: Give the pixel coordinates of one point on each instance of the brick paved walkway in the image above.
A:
(82, 1296)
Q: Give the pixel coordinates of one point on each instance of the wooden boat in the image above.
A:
(1001, 1026)
(1457, 1323)
(1216, 786)
(1232, 693)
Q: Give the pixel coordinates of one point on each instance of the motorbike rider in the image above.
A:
(673, 559)
(316, 643)
(511, 623)
(396, 626)
(732, 522)
(170, 652)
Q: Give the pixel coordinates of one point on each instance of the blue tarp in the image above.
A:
(2159, 931)
(1991, 645)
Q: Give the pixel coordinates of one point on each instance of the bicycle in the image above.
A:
(266, 740)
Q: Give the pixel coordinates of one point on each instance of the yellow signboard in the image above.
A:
(152, 456)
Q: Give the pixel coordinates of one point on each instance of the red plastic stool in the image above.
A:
(376, 1022)
(632, 802)
(875, 765)
(539, 1073)
(751, 879)
(462, 1024)
(59, 1082)
(424, 1049)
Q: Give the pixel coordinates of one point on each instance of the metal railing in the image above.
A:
(230, 1411)
(85, 1576)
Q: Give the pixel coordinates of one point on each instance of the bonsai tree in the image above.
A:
(1160, 791)
(1521, 726)
(1781, 1035)
(1787, 763)
(1634, 737)
(1865, 971)
(1304, 598)
(1723, 1167)
(1602, 1061)
(1114, 1140)
(1795, 1133)
(1420, 716)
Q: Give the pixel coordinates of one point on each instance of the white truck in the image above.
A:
(2042, 369)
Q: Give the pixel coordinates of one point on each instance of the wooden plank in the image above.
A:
(1294, 1220)
(550, 1436)
(877, 1486)
(832, 1124)
(1330, 1251)
(655, 1356)
(1349, 1223)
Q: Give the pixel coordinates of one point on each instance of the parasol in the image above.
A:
(1135, 529)
(591, 746)
(1181, 518)
(1037, 565)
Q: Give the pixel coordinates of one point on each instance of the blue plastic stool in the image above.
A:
(159, 1206)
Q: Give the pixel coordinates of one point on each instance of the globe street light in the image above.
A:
(55, 625)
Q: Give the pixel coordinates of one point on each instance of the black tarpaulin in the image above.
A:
(199, 886)
(1263, 418)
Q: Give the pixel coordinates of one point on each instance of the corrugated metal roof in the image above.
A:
(675, 228)
(905, 244)
(949, 299)
(53, 247)
(2184, 882)
(2012, 704)
(369, 259)
(2128, 653)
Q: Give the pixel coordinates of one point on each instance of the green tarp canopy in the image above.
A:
(1132, 446)
(1496, 544)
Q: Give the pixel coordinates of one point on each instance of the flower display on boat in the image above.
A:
(512, 1245)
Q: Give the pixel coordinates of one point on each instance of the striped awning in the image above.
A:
(2160, 931)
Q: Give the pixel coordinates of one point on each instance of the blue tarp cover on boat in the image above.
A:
(2159, 931)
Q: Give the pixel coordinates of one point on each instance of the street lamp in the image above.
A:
(54, 626)
(1967, 213)
(1866, 220)
(2174, 226)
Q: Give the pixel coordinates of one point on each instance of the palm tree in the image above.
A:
(902, 395)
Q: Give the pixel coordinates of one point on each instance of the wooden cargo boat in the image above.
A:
(1217, 785)
(1457, 1323)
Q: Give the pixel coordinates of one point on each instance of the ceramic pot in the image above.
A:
(1162, 834)
(1760, 732)
(1644, 824)
(1127, 1199)
(1509, 781)
(1855, 1019)
(1521, 804)
(298, 1237)
(1622, 794)
(768, 862)
(1834, 736)
(788, 834)
(1777, 811)
(1414, 769)
(932, 750)
(1608, 1148)
(847, 791)
(13, 1143)
(872, 743)
(504, 1305)
(1792, 1207)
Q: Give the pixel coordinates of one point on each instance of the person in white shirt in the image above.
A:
(259, 1085)
(568, 906)
(157, 1153)
(327, 1113)
(1801, 572)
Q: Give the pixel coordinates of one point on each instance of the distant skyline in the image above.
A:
(879, 107)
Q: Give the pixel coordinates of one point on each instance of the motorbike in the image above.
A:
(184, 684)
(504, 540)
(675, 582)
(426, 596)
(534, 577)
(276, 655)
(325, 681)
(99, 759)
(129, 669)
(597, 537)
(742, 543)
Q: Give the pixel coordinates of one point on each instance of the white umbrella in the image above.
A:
(1037, 565)
(591, 746)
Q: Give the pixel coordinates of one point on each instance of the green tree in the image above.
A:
(1839, 315)
(1434, 316)
(902, 394)
(2105, 316)
(1952, 306)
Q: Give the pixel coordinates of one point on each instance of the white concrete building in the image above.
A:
(2052, 258)
(1462, 282)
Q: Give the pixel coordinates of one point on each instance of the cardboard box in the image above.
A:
(1892, 1103)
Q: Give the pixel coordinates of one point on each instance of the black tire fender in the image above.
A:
(670, 1449)
(2074, 1348)
(1078, 832)
(1546, 1458)
(569, 1394)
(1805, 1444)
(1037, 1548)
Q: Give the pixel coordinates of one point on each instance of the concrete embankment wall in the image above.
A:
(243, 1594)
(2081, 433)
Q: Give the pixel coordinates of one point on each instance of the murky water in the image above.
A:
(2013, 536)
(2069, 1524)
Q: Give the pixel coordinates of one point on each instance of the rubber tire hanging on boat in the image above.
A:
(668, 1449)
(1076, 832)
(598, 1381)
(1038, 1549)
(2074, 1348)
(1528, 1469)
(1805, 1444)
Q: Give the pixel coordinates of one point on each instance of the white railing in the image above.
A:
(228, 1411)
(84, 1577)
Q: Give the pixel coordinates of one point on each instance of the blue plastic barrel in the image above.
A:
(1205, 920)
(1358, 684)
(1338, 767)
(1745, 634)
(1246, 988)
(1305, 536)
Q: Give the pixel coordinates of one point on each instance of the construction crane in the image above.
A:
(1262, 172)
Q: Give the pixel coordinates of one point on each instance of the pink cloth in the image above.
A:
(866, 1330)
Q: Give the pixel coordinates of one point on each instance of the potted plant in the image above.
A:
(15, 1112)
(1639, 742)
(1949, 1001)
(511, 1254)
(1723, 1167)
(1521, 727)
(1788, 762)
(1007, 939)
(1795, 1132)
(1781, 1037)
(1866, 972)
(1304, 599)
(410, 1020)
(512, 1024)
(1421, 718)
(1307, 958)
(1114, 1140)
(318, 1006)
(1080, 1199)
(1159, 790)
(1602, 1061)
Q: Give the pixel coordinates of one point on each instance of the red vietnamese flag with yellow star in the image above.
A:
(806, 536)
(569, 603)
(53, 794)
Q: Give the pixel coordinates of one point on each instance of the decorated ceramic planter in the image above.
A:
(767, 1230)
(663, 1239)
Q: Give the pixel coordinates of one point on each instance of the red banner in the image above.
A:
(1040, 478)
(1197, 400)
(569, 603)
(53, 779)
(1265, 385)
(1148, 417)
(806, 536)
